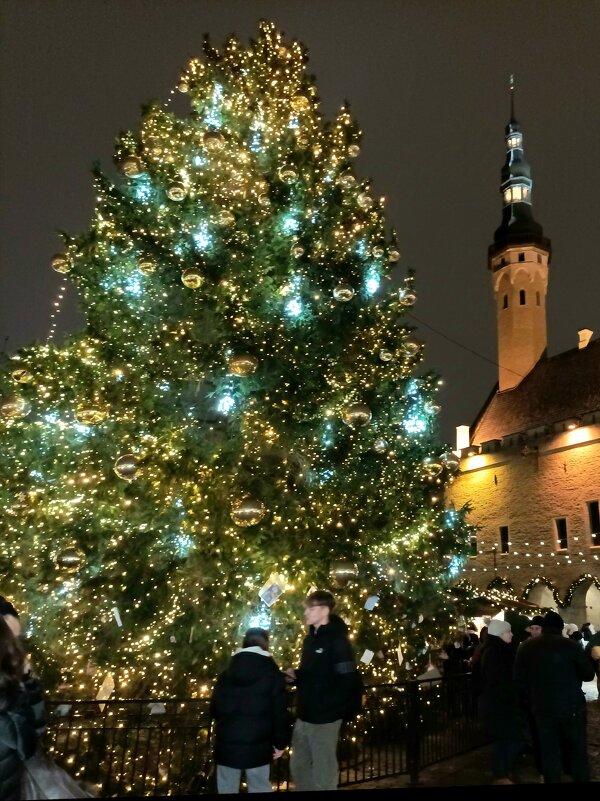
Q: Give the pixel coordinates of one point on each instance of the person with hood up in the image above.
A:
(499, 710)
(549, 671)
(329, 692)
(249, 707)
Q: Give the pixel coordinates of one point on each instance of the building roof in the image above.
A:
(557, 388)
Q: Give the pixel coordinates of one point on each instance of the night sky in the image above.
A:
(427, 82)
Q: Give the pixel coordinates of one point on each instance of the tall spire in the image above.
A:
(518, 224)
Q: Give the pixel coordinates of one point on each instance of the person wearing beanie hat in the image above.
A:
(535, 628)
(498, 707)
(549, 670)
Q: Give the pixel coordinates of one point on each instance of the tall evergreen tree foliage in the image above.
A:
(242, 418)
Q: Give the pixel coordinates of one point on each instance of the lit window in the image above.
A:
(517, 193)
(562, 540)
(514, 141)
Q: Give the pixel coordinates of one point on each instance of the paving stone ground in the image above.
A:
(473, 768)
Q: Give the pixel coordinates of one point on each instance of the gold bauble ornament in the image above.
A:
(183, 86)
(70, 558)
(394, 255)
(90, 415)
(432, 469)
(364, 200)
(407, 297)
(192, 278)
(411, 346)
(300, 103)
(247, 512)
(288, 175)
(147, 267)
(378, 251)
(356, 415)
(132, 166)
(386, 355)
(297, 251)
(347, 179)
(450, 461)
(343, 293)
(225, 217)
(176, 191)
(242, 364)
(353, 151)
(380, 446)
(61, 263)
(264, 200)
(213, 141)
(22, 376)
(14, 407)
(126, 466)
(342, 572)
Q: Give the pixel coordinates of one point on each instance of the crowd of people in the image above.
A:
(529, 694)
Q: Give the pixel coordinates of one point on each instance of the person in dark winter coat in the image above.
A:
(549, 671)
(329, 692)
(18, 738)
(499, 710)
(249, 706)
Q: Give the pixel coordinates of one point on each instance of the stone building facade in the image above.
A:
(530, 466)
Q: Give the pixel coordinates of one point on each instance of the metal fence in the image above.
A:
(158, 747)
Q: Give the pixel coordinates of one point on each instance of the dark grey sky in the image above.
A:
(427, 81)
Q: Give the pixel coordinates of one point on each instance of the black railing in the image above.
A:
(122, 748)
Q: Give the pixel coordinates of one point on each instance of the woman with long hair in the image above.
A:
(17, 725)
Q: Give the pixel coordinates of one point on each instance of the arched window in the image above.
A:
(505, 302)
(522, 297)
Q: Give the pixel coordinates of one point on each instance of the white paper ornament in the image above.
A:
(400, 656)
(156, 708)
(371, 602)
(270, 591)
(117, 616)
(106, 690)
(367, 656)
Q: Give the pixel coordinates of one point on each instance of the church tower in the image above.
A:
(518, 260)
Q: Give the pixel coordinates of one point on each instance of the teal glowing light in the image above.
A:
(81, 429)
(133, 285)
(213, 113)
(201, 237)
(415, 422)
(372, 281)
(199, 161)
(293, 308)
(327, 440)
(450, 518)
(455, 566)
(143, 191)
(225, 404)
(183, 544)
(294, 123)
(260, 619)
(290, 224)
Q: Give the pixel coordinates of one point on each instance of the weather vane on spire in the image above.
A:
(512, 97)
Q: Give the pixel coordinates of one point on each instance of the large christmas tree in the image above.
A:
(241, 419)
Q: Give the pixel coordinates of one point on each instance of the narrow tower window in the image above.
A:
(521, 257)
(562, 539)
(505, 302)
(522, 297)
(537, 298)
(514, 141)
(594, 517)
(504, 543)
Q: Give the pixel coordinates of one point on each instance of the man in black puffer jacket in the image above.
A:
(329, 692)
(250, 709)
(549, 670)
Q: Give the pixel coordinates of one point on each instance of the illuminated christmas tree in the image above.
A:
(241, 419)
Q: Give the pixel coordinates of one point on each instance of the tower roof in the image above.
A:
(518, 226)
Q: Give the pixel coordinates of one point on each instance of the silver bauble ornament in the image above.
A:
(247, 512)
(213, 141)
(300, 103)
(353, 151)
(356, 415)
(242, 364)
(21, 376)
(386, 355)
(183, 86)
(176, 191)
(342, 571)
(343, 293)
(90, 415)
(407, 297)
(297, 251)
(147, 267)
(378, 251)
(192, 278)
(126, 466)
(432, 469)
(450, 461)
(225, 217)
(61, 263)
(264, 200)
(347, 179)
(394, 255)
(14, 407)
(411, 346)
(70, 558)
(364, 200)
(380, 446)
(288, 175)
(132, 166)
